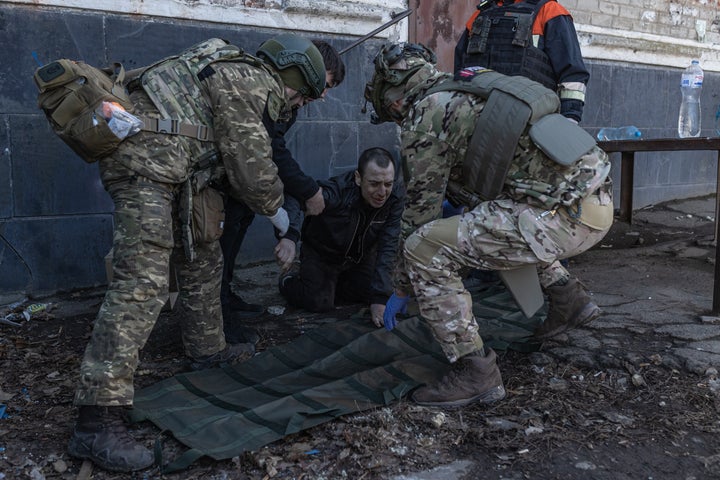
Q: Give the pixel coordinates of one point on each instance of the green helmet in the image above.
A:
(395, 64)
(298, 62)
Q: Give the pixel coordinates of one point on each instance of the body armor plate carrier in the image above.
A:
(514, 106)
(501, 39)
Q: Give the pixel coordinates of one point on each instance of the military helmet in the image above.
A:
(395, 64)
(298, 62)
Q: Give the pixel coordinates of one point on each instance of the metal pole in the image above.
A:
(394, 19)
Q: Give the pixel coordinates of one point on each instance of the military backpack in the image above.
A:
(86, 105)
(73, 94)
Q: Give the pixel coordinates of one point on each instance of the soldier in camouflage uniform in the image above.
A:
(147, 179)
(536, 219)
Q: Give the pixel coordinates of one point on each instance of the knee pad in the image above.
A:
(424, 243)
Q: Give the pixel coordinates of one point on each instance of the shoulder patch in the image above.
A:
(274, 105)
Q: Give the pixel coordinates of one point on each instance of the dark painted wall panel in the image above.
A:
(53, 254)
(46, 34)
(5, 171)
(48, 178)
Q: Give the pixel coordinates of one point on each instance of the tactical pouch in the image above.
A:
(560, 139)
(208, 216)
(71, 93)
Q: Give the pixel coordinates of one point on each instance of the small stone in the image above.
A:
(60, 466)
(502, 424)
(714, 386)
(638, 380)
(276, 310)
(585, 466)
(438, 419)
(558, 384)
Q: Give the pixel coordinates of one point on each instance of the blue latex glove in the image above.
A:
(448, 210)
(394, 306)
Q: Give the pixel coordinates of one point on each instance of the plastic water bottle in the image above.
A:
(690, 85)
(630, 132)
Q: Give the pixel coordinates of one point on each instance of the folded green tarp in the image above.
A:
(344, 367)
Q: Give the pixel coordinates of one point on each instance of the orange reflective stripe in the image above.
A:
(549, 11)
(469, 23)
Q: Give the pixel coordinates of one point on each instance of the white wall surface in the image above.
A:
(345, 17)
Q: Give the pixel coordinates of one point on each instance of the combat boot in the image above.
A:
(232, 353)
(569, 306)
(101, 436)
(473, 378)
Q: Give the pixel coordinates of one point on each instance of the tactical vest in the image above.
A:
(501, 39)
(174, 87)
(517, 106)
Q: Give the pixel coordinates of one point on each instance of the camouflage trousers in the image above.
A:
(145, 242)
(497, 235)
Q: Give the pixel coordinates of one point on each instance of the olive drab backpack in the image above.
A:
(79, 101)
(90, 109)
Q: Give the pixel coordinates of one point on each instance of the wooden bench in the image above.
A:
(627, 149)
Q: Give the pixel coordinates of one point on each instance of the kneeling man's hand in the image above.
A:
(376, 312)
(285, 254)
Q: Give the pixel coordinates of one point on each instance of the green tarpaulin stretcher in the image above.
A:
(347, 366)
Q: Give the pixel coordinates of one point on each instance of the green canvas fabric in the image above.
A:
(344, 367)
(502, 325)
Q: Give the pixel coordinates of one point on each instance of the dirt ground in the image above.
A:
(640, 419)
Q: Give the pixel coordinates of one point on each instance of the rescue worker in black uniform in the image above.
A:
(532, 38)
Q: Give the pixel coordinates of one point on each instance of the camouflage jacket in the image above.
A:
(435, 135)
(237, 94)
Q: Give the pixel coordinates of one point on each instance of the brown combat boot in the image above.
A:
(473, 378)
(101, 436)
(569, 307)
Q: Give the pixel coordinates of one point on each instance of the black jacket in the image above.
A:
(296, 183)
(349, 229)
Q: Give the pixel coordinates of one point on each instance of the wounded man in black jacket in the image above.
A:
(349, 250)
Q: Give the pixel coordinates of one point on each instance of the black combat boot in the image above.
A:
(473, 378)
(234, 305)
(569, 307)
(101, 436)
(232, 353)
(235, 311)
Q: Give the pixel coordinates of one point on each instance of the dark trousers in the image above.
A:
(320, 285)
(238, 218)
